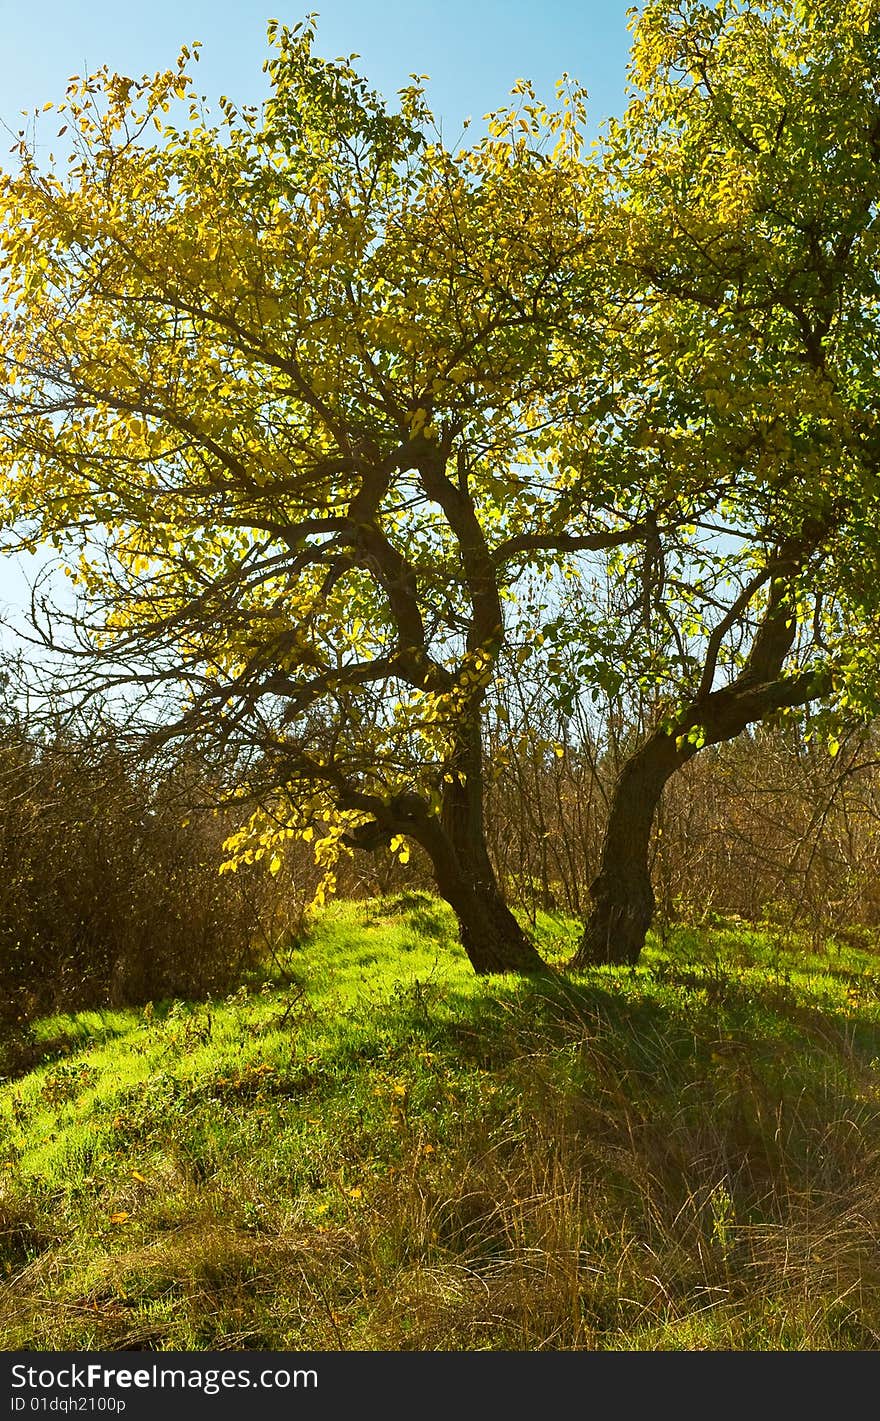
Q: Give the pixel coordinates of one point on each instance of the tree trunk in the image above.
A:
(623, 898)
(490, 934)
(622, 894)
(456, 845)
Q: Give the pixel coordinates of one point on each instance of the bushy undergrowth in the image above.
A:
(370, 1148)
(109, 890)
(109, 884)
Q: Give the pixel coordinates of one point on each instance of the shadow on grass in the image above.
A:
(681, 1155)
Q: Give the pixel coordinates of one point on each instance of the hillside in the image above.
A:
(368, 1147)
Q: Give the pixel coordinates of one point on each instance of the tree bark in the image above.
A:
(456, 842)
(490, 934)
(622, 893)
(456, 845)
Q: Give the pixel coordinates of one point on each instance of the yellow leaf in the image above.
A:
(400, 847)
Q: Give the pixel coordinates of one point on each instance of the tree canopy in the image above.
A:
(748, 162)
(302, 395)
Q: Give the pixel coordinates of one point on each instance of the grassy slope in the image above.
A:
(397, 1155)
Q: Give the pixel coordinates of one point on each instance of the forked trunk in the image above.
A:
(623, 899)
(489, 932)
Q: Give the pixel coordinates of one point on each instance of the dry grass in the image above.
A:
(683, 1157)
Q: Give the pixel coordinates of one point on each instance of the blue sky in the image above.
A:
(473, 50)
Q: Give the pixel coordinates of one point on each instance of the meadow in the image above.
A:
(364, 1146)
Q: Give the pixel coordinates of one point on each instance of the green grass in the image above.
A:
(368, 1147)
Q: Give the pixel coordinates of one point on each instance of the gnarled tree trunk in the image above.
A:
(490, 934)
(622, 893)
(456, 846)
(623, 898)
(455, 843)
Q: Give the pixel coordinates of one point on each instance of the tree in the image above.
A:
(748, 164)
(298, 397)
(301, 398)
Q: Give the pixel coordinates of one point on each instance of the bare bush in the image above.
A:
(109, 884)
(770, 827)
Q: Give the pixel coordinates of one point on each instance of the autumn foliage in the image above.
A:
(338, 428)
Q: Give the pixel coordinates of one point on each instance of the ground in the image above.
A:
(366, 1146)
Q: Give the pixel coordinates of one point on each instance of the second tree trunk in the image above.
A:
(623, 898)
